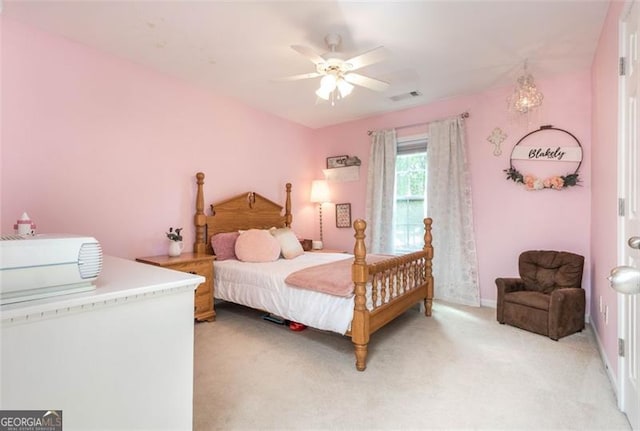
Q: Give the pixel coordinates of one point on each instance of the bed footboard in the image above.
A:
(397, 284)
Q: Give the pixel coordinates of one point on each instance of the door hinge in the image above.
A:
(622, 70)
(621, 207)
(621, 347)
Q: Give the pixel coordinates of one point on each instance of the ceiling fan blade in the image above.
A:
(298, 77)
(375, 55)
(309, 53)
(365, 81)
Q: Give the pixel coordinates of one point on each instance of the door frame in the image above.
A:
(621, 239)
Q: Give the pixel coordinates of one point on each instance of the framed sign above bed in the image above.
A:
(337, 162)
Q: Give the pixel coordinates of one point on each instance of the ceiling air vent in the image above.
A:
(405, 96)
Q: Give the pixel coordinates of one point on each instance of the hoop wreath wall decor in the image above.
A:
(548, 153)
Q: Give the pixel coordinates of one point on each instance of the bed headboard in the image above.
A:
(246, 211)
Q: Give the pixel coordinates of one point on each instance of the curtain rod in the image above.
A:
(463, 115)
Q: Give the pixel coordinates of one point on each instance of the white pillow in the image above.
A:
(257, 245)
(289, 243)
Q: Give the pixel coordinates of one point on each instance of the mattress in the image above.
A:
(262, 286)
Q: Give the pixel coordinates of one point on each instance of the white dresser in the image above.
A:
(118, 357)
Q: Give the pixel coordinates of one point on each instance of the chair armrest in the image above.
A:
(506, 285)
(566, 311)
(564, 294)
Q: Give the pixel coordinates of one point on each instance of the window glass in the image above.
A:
(410, 205)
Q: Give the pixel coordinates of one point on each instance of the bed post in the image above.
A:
(200, 220)
(288, 218)
(428, 248)
(360, 274)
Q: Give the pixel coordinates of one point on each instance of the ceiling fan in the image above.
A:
(337, 74)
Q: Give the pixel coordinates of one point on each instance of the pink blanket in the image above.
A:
(333, 278)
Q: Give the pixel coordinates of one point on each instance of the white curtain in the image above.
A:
(455, 263)
(381, 179)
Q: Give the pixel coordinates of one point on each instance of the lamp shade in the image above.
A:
(329, 82)
(323, 94)
(320, 192)
(344, 87)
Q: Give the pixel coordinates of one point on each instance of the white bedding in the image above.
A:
(262, 286)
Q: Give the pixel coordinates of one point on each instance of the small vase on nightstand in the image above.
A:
(175, 248)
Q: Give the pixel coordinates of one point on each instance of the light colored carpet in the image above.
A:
(458, 369)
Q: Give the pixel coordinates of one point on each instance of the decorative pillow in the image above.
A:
(289, 243)
(224, 245)
(257, 245)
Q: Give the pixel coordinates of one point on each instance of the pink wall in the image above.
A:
(604, 191)
(96, 145)
(93, 144)
(507, 218)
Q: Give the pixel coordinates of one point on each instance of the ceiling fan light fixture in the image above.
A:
(344, 88)
(323, 93)
(337, 78)
(328, 83)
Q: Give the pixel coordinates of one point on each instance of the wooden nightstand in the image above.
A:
(194, 263)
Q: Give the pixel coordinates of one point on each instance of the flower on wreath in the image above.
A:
(554, 183)
(531, 182)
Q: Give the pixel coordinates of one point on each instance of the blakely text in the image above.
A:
(540, 153)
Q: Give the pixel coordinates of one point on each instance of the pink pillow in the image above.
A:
(257, 245)
(224, 245)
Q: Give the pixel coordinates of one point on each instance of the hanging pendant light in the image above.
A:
(525, 96)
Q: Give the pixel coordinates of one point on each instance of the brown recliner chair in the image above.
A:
(548, 298)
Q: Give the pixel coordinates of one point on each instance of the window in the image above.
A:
(410, 204)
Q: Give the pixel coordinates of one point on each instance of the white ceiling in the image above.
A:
(238, 48)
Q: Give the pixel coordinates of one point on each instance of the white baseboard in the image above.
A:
(491, 303)
(605, 361)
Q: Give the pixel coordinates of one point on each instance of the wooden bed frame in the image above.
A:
(397, 283)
